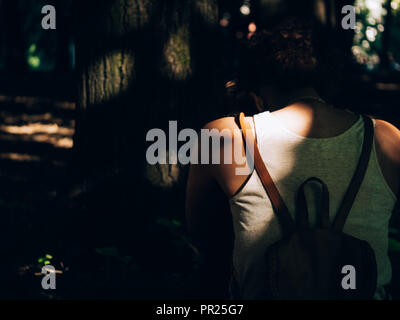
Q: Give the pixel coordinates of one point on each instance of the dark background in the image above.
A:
(76, 104)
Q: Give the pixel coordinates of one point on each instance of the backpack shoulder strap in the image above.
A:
(286, 222)
(358, 176)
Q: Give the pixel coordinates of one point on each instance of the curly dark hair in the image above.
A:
(293, 54)
(285, 55)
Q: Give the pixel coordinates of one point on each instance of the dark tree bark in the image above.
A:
(114, 63)
(63, 59)
(140, 63)
(110, 59)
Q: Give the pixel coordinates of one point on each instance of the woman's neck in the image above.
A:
(280, 97)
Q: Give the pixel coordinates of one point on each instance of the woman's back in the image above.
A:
(305, 138)
(291, 159)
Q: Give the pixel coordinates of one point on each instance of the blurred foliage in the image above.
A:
(395, 35)
(370, 28)
(368, 32)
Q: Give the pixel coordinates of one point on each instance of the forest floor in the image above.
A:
(41, 223)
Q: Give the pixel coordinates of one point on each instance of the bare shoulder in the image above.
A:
(225, 123)
(226, 130)
(221, 124)
(388, 127)
(231, 154)
(388, 139)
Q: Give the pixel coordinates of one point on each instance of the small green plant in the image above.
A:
(33, 57)
(46, 259)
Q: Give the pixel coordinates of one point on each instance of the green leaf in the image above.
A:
(49, 256)
(34, 62)
(32, 48)
(46, 262)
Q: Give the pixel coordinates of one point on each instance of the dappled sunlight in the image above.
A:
(320, 11)
(110, 76)
(177, 55)
(33, 128)
(208, 10)
(34, 132)
(371, 26)
(139, 11)
(388, 86)
(25, 157)
(10, 119)
(58, 136)
(35, 120)
(32, 101)
(18, 157)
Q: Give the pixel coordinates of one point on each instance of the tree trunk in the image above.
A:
(114, 59)
(140, 63)
(110, 59)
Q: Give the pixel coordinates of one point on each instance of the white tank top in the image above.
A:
(291, 159)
